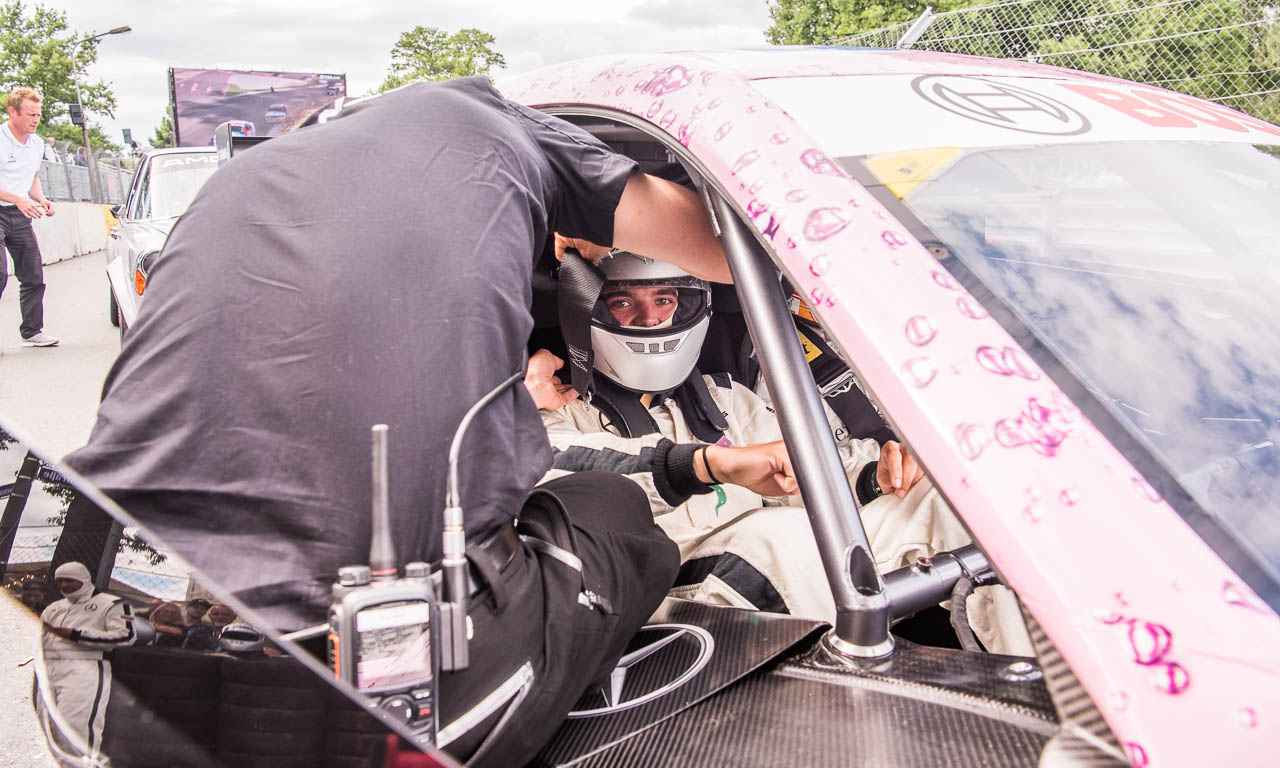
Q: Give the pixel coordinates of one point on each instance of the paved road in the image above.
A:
(48, 396)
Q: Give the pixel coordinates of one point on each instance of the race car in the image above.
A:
(1055, 287)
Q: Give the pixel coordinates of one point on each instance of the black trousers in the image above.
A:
(626, 559)
(17, 235)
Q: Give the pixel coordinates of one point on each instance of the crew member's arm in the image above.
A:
(37, 195)
(28, 207)
(665, 221)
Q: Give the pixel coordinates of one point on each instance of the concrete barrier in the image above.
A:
(74, 230)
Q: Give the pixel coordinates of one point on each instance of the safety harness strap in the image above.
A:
(580, 284)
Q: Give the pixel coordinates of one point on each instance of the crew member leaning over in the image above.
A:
(708, 452)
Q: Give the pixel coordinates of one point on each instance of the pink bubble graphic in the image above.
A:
(1137, 755)
(1033, 513)
(1170, 677)
(1149, 642)
(971, 309)
(723, 131)
(654, 108)
(664, 81)
(759, 185)
(684, 134)
(823, 223)
(893, 239)
(620, 91)
(778, 138)
(1119, 701)
(1110, 618)
(945, 280)
(817, 161)
(714, 103)
(742, 162)
(668, 118)
(820, 264)
(1069, 497)
(772, 227)
(755, 208)
(920, 331)
(1041, 427)
(966, 482)
(920, 371)
(1005, 362)
(1240, 597)
(791, 243)
(1247, 718)
(751, 110)
(797, 196)
(972, 439)
(1148, 492)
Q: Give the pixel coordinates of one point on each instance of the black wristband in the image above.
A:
(702, 451)
(867, 488)
(75, 636)
(673, 472)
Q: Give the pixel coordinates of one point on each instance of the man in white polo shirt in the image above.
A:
(22, 200)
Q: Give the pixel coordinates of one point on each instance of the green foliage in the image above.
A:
(163, 137)
(35, 51)
(823, 22)
(63, 131)
(428, 53)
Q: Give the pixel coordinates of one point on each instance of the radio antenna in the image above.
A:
(382, 554)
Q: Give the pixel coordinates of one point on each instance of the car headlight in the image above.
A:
(142, 266)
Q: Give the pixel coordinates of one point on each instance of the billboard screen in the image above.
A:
(257, 103)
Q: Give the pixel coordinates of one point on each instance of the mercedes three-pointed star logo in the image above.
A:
(1000, 104)
(615, 695)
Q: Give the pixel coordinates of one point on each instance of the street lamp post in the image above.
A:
(92, 164)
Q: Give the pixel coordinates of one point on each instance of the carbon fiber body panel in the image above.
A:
(737, 642)
(922, 706)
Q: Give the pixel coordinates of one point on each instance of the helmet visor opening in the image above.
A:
(650, 305)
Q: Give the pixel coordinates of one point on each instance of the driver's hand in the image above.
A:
(544, 386)
(765, 468)
(897, 470)
(589, 250)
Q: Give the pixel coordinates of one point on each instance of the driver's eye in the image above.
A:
(663, 301)
(619, 303)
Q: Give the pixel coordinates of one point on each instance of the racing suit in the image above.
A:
(78, 672)
(742, 549)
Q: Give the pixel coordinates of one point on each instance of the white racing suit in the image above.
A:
(741, 549)
(78, 673)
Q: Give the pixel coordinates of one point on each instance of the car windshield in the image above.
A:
(1152, 271)
(175, 180)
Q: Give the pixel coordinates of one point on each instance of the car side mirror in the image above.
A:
(115, 211)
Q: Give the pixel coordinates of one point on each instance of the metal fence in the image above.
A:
(1226, 51)
(64, 174)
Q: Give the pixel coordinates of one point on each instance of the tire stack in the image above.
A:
(272, 714)
(353, 738)
(163, 709)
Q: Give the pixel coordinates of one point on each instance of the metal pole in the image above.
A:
(94, 191)
(862, 607)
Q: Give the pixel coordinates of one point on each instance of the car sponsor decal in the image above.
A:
(1001, 104)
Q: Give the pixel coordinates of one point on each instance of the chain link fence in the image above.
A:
(1226, 51)
(64, 174)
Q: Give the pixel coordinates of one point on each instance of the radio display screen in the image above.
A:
(393, 645)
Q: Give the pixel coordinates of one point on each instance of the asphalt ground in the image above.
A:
(48, 396)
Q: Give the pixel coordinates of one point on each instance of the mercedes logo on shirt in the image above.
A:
(668, 656)
(1002, 105)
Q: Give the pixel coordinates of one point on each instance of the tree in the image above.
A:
(163, 137)
(823, 22)
(62, 131)
(35, 51)
(428, 53)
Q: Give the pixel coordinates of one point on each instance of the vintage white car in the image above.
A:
(163, 186)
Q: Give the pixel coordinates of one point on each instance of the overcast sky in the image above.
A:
(355, 37)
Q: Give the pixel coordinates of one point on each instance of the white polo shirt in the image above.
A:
(19, 163)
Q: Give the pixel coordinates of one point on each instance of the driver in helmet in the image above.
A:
(708, 452)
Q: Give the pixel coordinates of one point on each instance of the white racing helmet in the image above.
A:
(239, 637)
(649, 323)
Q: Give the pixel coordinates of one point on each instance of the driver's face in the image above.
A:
(641, 306)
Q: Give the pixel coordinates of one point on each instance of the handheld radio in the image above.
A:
(389, 636)
(383, 629)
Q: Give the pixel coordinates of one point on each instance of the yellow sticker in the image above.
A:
(646, 398)
(811, 352)
(110, 220)
(902, 172)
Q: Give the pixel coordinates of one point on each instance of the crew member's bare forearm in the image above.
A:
(665, 221)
